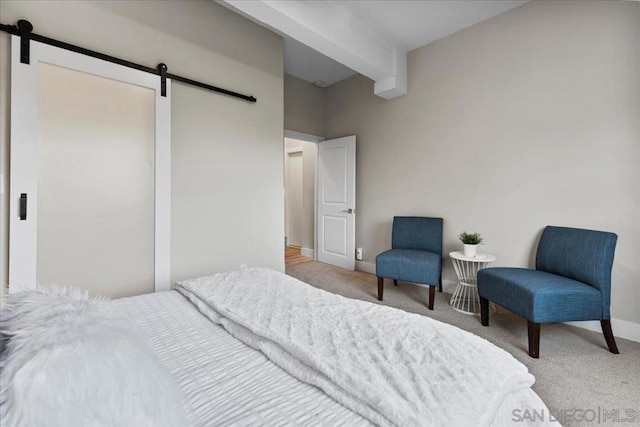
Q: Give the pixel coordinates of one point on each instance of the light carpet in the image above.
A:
(576, 376)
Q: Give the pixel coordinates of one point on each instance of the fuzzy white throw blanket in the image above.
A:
(69, 363)
(390, 366)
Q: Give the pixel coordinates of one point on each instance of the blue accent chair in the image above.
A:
(415, 255)
(571, 282)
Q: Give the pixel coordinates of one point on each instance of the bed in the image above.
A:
(256, 347)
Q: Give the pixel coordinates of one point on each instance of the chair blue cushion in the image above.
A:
(540, 296)
(410, 265)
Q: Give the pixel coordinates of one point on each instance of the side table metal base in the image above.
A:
(466, 300)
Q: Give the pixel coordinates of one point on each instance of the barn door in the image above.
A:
(90, 174)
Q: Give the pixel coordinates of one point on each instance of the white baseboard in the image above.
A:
(308, 252)
(449, 286)
(621, 328)
(367, 267)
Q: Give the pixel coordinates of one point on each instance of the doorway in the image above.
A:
(325, 231)
(300, 182)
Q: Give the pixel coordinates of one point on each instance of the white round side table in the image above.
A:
(465, 298)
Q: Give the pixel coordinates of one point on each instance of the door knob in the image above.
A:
(349, 211)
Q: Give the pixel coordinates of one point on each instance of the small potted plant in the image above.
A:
(471, 242)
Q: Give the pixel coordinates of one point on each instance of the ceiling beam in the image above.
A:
(331, 32)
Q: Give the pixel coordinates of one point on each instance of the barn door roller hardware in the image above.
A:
(24, 30)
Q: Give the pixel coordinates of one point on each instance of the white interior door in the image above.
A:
(90, 152)
(337, 201)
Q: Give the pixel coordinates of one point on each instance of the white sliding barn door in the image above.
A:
(90, 152)
(337, 202)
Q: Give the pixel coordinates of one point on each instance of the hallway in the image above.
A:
(293, 256)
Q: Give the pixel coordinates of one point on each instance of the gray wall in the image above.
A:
(304, 106)
(527, 119)
(227, 188)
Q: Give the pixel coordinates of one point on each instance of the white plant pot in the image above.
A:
(470, 250)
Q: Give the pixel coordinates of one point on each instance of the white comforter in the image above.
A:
(390, 366)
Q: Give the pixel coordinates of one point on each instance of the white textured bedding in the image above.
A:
(228, 383)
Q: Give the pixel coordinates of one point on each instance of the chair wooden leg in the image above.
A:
(432, 296)
(395, 282)
(484, 311)
(380, 288)
(608, 336)
(440, 284)
(534, 339)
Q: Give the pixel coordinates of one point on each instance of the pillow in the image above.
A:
(67, 363)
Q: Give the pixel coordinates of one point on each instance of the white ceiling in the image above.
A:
(408, 24)
(310, 65)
